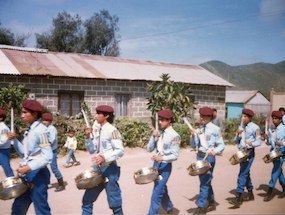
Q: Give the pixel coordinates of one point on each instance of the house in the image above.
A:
(277, 100)
(61, 81)
(237, 100)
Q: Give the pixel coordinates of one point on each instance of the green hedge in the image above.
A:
(136, 133)
(232, 125)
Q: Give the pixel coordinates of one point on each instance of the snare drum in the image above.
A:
(199, 167)
(272, 156)
(13, 187)
(239, 157)
(146, 175)
(89, 179)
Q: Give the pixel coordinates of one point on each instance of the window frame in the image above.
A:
(127, 104)
(69, 93)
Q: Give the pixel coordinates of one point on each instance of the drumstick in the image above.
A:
(187, 123)
(156, 121)
(12, 123)
(243, 133)
(266, 126)
(86, 121)
(156, 125)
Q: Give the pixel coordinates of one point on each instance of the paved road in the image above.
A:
(182, 187)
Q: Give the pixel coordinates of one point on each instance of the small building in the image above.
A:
(61, 81)
(237, 100)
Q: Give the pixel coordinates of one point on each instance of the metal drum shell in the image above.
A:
(199, 167)
(12, 187)
(146, 175)
(89, 179)
(272, 156)
(239, 157)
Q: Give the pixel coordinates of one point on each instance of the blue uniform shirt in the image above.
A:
(107, 141)
(274, 134)
(5, 143)
(52, 136)
(213, 137)
(171, 145)
(252, 133)
(39, 152)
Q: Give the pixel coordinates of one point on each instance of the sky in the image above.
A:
(237, 32)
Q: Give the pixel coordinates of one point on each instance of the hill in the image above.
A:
(258, 76)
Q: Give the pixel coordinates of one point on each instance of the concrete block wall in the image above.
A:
(99, 92)
(211, 96)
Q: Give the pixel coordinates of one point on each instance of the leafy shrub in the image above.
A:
(183, 131)
(232, 125)
(63, 125)
(136, 133)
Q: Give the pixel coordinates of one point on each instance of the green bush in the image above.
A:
(183, 131)
(63, 125)
(136, 133)
(232, 125)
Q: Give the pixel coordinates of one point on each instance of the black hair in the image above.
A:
(4, 117)
(111, 117)
(282, 109)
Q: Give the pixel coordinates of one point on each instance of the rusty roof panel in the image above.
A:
(94, 66)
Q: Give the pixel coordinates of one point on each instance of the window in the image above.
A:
(122, 104)
(69, 102)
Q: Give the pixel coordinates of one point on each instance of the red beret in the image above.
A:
(166, 114)
(105, 109)
(47, 117)
(32, 105)
(277, 114)
(248, 112)
(206, 111)
(3, 113)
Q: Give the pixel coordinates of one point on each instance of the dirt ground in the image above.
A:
(182, 187)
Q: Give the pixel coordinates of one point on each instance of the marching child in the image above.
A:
(5, 145)
(276, 138)
(71, 145)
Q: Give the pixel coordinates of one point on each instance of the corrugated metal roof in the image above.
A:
(237, 96)
(92, 66)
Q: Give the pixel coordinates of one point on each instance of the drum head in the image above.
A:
(89, 179)
(12, 187)
(199, 167)
(146, 175)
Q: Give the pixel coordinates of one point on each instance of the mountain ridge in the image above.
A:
(257, 76)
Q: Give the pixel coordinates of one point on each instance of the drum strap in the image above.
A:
(202, 137)
(274, 137)
(160, 143)
(99, 141)
(25, 142)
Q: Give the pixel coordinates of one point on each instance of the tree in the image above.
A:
(8, 38)
(65, 35)
(13, 96)
(68, 34)
(168, 94)
(100, 35)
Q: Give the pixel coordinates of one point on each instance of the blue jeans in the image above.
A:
(206, 190)
(5, 162)
(38, 194)
(244, 179)
(160, 193)
(277, 173)
(53, 165)
(70, 155)
(112, 188)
